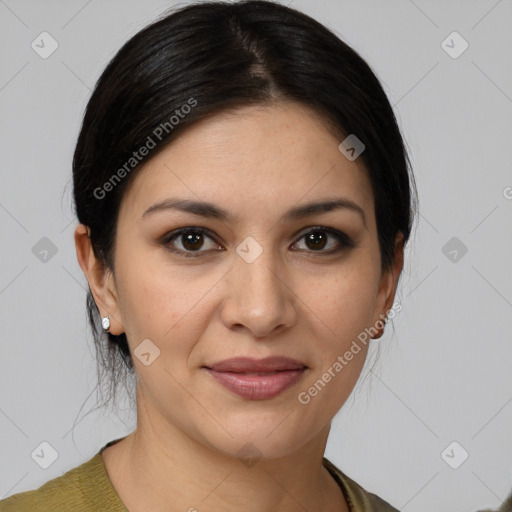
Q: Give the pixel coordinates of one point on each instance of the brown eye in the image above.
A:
(325, 240)
(316, 240)
(192, 241)
(189, 241)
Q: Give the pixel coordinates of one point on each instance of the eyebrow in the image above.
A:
(210, 210)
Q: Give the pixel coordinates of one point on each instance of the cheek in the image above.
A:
(162, 303)
(344, 301)
(340, 308)
(144, 301)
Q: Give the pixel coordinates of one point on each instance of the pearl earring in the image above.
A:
(105, 322)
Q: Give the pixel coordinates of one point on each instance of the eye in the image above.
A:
(325, 240)
(190, 240)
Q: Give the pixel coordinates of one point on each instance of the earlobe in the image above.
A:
(100, 280)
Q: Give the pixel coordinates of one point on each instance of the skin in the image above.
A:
(294, 300)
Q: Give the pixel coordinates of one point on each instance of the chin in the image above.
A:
(251, 436)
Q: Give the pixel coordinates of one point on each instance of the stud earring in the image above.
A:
(105, 323)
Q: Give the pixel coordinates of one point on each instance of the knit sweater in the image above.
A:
(87, 488)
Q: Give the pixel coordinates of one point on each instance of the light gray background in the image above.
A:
(443, 376)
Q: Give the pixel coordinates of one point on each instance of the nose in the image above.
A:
(257, 297)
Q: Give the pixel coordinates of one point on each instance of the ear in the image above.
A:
(389, 281)
(101, 281)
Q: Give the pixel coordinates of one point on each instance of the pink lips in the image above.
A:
(257, 379)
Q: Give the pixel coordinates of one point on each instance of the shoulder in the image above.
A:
(359, 499)
(506, 506)
(82, 489)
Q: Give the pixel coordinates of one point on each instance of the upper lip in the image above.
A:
(248, 364)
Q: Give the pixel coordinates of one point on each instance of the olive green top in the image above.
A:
(87, 488)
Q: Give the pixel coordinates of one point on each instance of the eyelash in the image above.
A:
(344, 240)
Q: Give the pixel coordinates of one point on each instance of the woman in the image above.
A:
(244, 198)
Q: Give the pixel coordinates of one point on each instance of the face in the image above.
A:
(252, 273)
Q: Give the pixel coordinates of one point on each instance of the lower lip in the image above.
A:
(257, 387)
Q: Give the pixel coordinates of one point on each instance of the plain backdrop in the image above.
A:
(442, 387)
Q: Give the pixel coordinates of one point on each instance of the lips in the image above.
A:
(249, 365)
(257, 379)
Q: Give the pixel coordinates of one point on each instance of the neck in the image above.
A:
(159, 464)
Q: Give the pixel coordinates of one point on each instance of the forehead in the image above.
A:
(271, 156)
